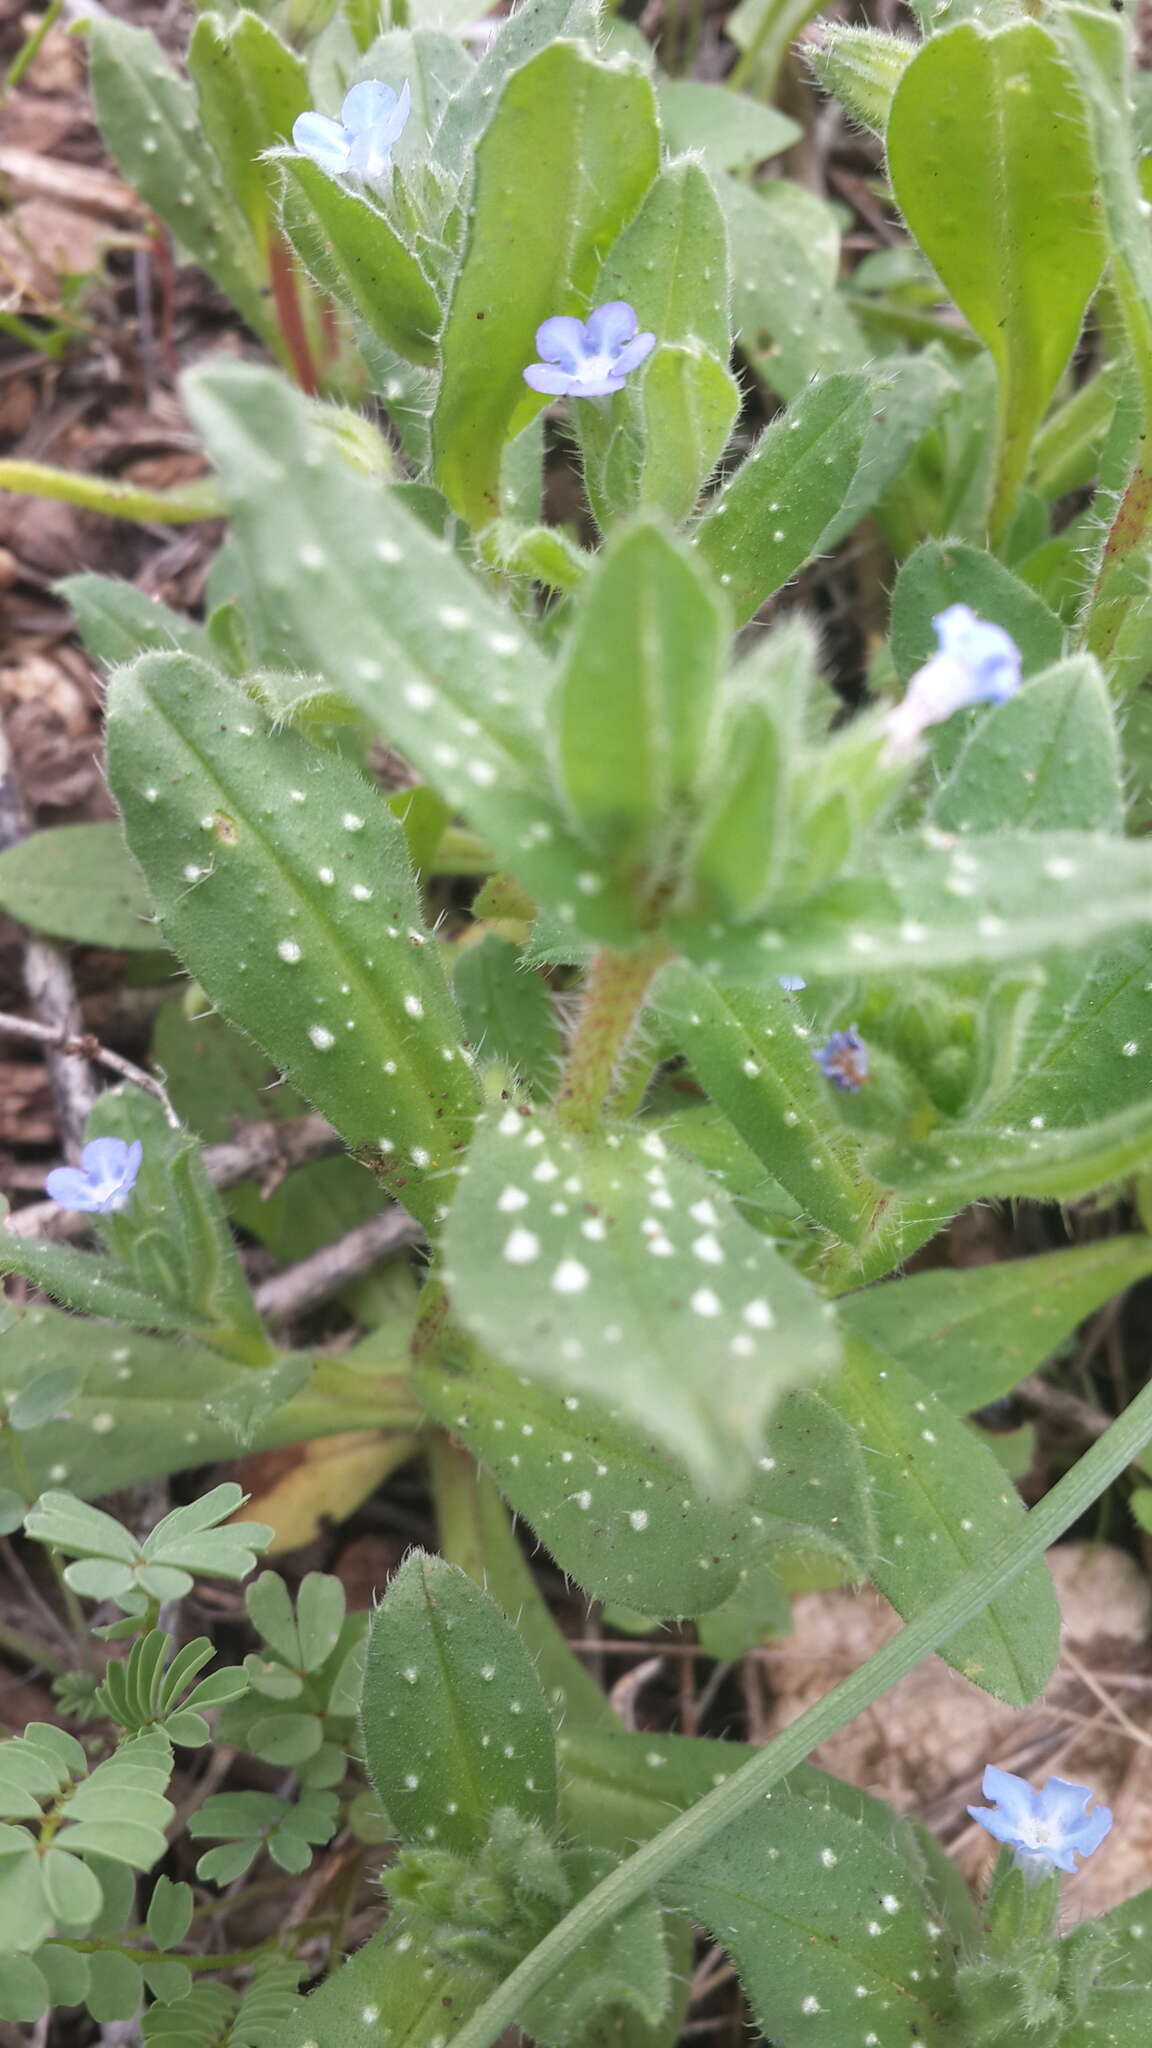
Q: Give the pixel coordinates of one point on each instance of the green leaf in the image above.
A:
(507, 1011)
(862, 66)
(744, 1047)
(116, 621)
(770, 515)
(41, 1399)
(298, 914)
(555, 1257)
(173, 1237)
(319, 1618)
(249, 89)
(286, 1738)
(1046, 760)
(455, 1722)
(620, 1516)
(170, 1912)
(656, 442)
(64, 1971)
(929, 904)
(270, 1611)
(972, 1336)
(352, 249)
(153, 1405)
(941, 573)
(94, 1286)
(70, 1888)
(829, 1927)
(530, 29)
(452, 681)
(941, 1501)
(990, 160)
(115, 1987)
(25, 1916)
(24, 1993)
(198, 2021)
(387, 1976)
(151, 123)
(564, 162)
(731, 132)
(79, 882)
(634, 705)
(790, 320)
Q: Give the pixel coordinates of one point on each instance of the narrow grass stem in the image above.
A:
(689, 1832)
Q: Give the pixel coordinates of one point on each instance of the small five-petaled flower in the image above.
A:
(360, 143)
(843, 1060)
(977, 663)
(1047, 1829)
(588, 358)
(104, 1179)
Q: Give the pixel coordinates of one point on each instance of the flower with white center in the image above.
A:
(104, 1179)
(360, 144)
(843, 1060)
(588, 358)
(977, 663)
(1047, 1829)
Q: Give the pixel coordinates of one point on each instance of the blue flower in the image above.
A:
(977, 663)
(360, 143)
(844, 1060)
(1047, 1829)
(103, 1180)
(791, 982)
(588, 358)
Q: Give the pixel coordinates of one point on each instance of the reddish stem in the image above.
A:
(286, 295)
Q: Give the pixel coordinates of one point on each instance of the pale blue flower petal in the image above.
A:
(609, 327)
(367, 104)
(791, 982)
(391, 126)
(561, 340)
(315, 136)
(1048, 1829)
(68, 1186)
(550, 379)
(634, 353)
(595, 355)
(990, 654)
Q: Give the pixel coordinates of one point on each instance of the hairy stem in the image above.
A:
(179, 507)
(690, 1832)
(614, 998)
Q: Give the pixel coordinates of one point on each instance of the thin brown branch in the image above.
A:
(314, 1279)
(82, 1045)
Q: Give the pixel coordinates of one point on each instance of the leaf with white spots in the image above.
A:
(339, 578)
(282, 880)
(772, 511)
(633, 710)
(942, 1502)
(611, 1267)
(617, 1790)
(1047, 760)
(153, 1405)
(935, 900)
(388, 1995)
(830, 1927)
(455, 1720)
(621, 1515)
(972, 1334)
(752, 1051)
